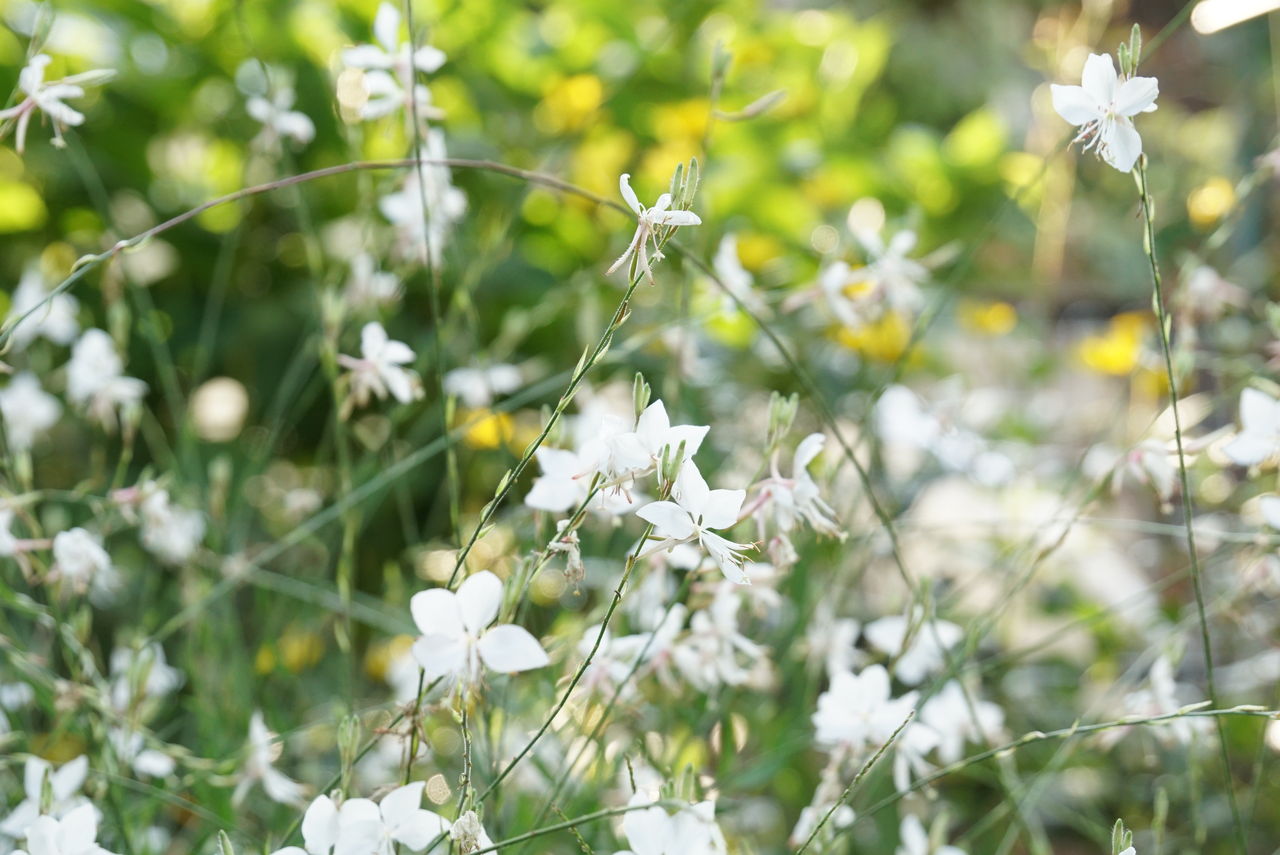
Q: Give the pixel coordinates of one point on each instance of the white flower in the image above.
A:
(130, 747)
(319, 829)
(170, 532)
(797, 497)
(714, 652)
(469, 834)
(55, 320)
(735, 278)
(694, 513)
(455, 641)
(689, 831)
(926, 652)
(650, 221)
(952, 718)
(79, 559)
(48, 96)
(915, 840)
(368, 287)
(64, 784)
(565, 483)
(95, 378)
(856, 710)
(390, 67)
(279, 119)
(1259, 436)
(365, 828)
(897, 278)
(426, 205)
(141, 674)
(379, 370)
(74, 834)
(1160, 697)
(264, 750)
(1103, 107)
(622, 449)
(28, 411)
(477, 387)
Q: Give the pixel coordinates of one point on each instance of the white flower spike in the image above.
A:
(457, 639)
(1103, 107)
(651, 219)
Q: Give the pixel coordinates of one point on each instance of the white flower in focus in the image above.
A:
(279, 119)
(477, 387)
(689, 831)
(320, 826)
(264, 750)
(380, 369)
(1259, 437)
(692, 516)
(64, 785)
(915, 840)
(562, 484)
(48, 97)
(798, 498)
(55, 320)
(27, 410)
(96, 381)
(623, 450)
(80, 560)
(365, 828)
(925, 652)
(651, 220)
(74, 834)
(456, 637)
(1103, 108)
(170, 532)
(469, 834)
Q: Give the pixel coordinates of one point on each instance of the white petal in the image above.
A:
(479, 598)
(366, 56)
(397, 353)
(386, 26)
(691, 489)
(320, 826)
(509, 648)
(624, 184)
(722, 507)
(1074, 104)
(1099, 78)
(1259, 412)
(437, 612)
(398, 805)
(668, 518)
(1270, 507)
(680, 218)
(361, 837)
(428, 59)
(420, 829)
(648, 831)
(42, 836)
(78, 830)
(1122, 145)
(1249, 449)
(1136, 95)
(440, 655)
(373, 337)
(69, 778)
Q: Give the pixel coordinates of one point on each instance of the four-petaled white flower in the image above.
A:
(650, 221)
(279, 119)
(689, 831)
(1259, 436)
(64, 787)
(857, 711)
(96, 381)
(365, 828)
(692, 516)
(624, 449)
(264, 750)
(48, 97)
(1103, 107)
(456, 637)
(380, 369)
(74, 834)
(27, 410)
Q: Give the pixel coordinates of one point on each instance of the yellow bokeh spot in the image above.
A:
(600, 158)
(993, 318)
(976, 140)
(57, 747)
(264, 662)
(685, 120)
(486, 429)
(756, 249)
(377, 661)
(1117, 350)
(568, 103)
(884, 339)
(1210, 202)
(300, 650)
(21, 207)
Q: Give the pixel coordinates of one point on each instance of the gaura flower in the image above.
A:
(1103, 107)
(456, 637)
(390, 67)
(55, 320)
(365, 828)
(1259, 436)
(695, 511)
(64, 786)
(380, 369)
(27, 411)
(279, 119)
(96, 380)
(689, 831)
(48, 96)
(915, 840)
(74, 834)
(651, 220)
(263, 752)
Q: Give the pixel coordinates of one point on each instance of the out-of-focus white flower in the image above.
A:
(1259, 437)
(368, 287)
(96, 381)
(953, 719)
(170, 532)
(141, 674)
(735, 278)
(896, 277)
(1150, 463)
(914, 840)
(279, 119)
(651, 221)
(714, 652)
(857, 712)
(1103, 108)
(264, 751)
(380, 369)
(28, 411)
(427, 204)
(64, 787)
(924, 654)
(80, 560)
(55, 320)
(1160, 697)
(390, 67)
(456, 636)
(477, 387)
(76, 833)
(689, 831)
(130, 747)
(798, 498)
(48, 97)
(469, 834)
(692, 516)
(1206, 295)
